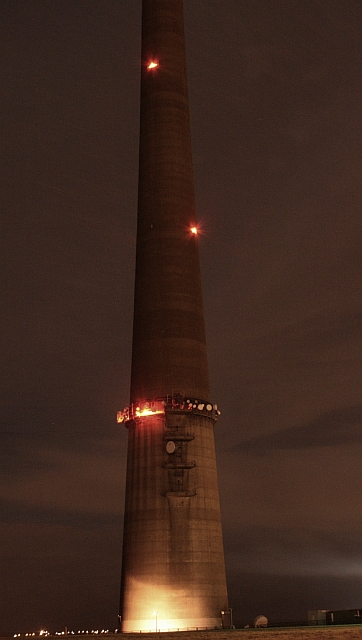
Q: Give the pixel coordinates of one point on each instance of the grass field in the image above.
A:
(350, 632)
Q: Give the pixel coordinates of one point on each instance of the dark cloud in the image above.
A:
(302, 549)
(331, 429)
(23, 513)
(49, 477)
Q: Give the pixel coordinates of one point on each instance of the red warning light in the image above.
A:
(152, 65)
(194, 230)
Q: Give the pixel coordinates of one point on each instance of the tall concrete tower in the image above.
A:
(173, 574)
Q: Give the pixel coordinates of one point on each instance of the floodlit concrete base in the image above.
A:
(173, 561)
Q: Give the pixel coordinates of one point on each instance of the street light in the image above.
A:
(155, 613)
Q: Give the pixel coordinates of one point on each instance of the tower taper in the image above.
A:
(173, 574)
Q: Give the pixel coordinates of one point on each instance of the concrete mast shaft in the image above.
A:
(169, 349)
(173, 574)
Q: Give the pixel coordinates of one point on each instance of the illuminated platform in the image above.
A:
(161, 406)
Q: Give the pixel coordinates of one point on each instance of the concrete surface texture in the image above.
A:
(173, 574)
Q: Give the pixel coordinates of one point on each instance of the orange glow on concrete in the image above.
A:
(140, 413)
(152, 65)
(146, 600)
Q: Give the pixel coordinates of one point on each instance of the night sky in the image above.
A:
(275, 97)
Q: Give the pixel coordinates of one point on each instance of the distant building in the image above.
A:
(317, 617)
(326, 616)
(347, 616)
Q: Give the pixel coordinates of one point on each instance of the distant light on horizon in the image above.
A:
(67, 632)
